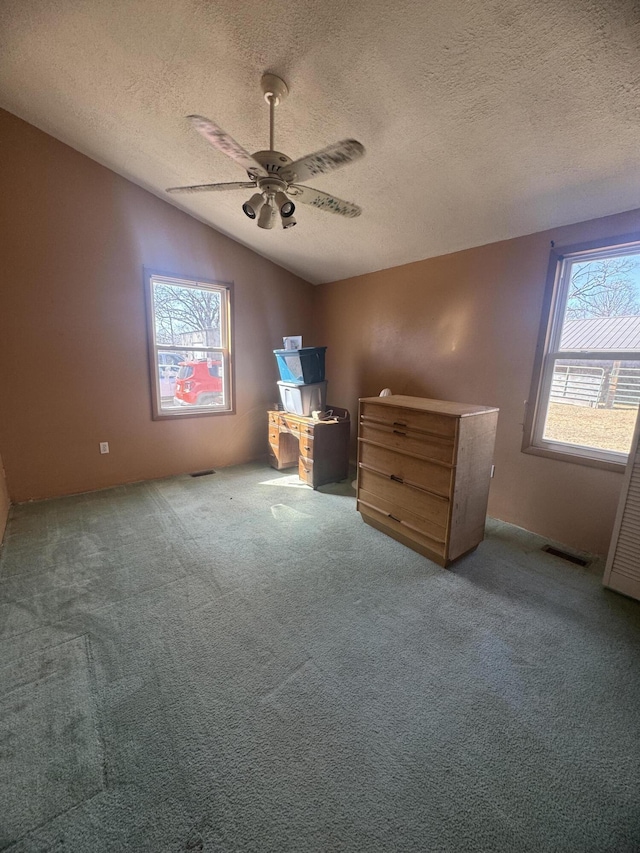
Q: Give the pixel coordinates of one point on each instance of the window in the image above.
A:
(189, 346)
(586, 388)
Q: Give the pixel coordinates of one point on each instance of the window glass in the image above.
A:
(593, 404)
(186, 316)
(588, 387)
(601, 293)
(190, 346)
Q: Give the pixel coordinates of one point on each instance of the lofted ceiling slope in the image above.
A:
(482, 120)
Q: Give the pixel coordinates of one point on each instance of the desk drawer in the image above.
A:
(419, 503)
(290, 425)
(305, 470)
(407, 469)
(306, 446)
(416, 443)
(274, 432)
(394, 416)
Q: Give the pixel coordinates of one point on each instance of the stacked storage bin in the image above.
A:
(302, 385)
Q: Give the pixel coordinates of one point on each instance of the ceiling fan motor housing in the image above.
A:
(272, 161)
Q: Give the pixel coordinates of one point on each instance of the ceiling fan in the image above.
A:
(273, 174)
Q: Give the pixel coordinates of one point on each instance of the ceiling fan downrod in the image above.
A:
(275, 90)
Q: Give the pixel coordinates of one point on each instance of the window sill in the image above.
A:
(575, 458)
(188, 412)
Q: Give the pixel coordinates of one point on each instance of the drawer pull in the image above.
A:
(396, 479)
(399, 423)
(306, 447)
(399, 432)
(395, 519)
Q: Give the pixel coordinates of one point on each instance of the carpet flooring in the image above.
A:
(237, 663)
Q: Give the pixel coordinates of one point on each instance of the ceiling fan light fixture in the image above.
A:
(267, 215)
(285, 205)
(253, 207)
(288, 221)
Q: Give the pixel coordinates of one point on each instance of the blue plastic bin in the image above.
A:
(301, 366)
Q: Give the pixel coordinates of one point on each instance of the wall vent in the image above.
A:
(202, 473)
(565, 555)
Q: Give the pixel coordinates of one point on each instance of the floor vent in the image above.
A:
(202, 473)
(564, 555)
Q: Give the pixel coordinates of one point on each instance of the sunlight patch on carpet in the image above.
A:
(292, 481)
(282, 512)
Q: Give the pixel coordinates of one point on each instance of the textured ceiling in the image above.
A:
(482, 120)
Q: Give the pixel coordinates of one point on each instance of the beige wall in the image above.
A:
(73, 348)
(4, 501)
(464, 327)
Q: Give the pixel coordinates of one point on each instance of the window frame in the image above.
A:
(553, 310)
(225, 348)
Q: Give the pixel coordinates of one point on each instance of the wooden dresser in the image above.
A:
(320, 449)
(424, 468)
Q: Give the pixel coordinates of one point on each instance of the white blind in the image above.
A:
(622, 572)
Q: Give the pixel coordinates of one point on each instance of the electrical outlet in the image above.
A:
(104, 447)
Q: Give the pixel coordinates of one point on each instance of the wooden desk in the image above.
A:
(320, 449)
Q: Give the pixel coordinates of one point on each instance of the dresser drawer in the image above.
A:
(400, 418)
(409, 536)
(427, 475)
(416, 443)
(421, 504)
(402, 515)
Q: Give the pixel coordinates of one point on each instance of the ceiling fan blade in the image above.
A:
(221, 140)
(203, 188)
(332, 157)
(323, 201)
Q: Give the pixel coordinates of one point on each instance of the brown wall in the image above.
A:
(75, 237)
(464, 327)
(4, 501)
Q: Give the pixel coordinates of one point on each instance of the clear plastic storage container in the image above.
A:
(303, 399)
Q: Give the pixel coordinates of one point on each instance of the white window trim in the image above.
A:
(225, 348)
(548, 351)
